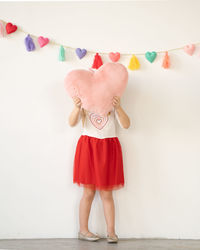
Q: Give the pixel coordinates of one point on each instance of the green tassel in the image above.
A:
(62, 54)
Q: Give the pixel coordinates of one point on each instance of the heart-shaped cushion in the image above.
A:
(189, 49)
(10, 28)
(96, 89)
(81, 52)
(43, 41)
(150, 56)
(114, 56)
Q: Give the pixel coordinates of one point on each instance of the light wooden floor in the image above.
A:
(123, 244)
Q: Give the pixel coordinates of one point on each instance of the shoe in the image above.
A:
(82, 236)
(112, 239)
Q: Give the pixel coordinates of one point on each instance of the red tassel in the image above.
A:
(166, 61)
(97, 61)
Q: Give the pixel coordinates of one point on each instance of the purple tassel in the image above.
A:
(29, 43)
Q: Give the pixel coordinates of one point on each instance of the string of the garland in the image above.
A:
(8, 28)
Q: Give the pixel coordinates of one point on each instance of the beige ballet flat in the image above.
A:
(82, 236)
(112, 239)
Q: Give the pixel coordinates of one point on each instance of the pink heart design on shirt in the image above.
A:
(97, 120)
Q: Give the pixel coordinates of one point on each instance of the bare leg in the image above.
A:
(109, 210)
(84, 209)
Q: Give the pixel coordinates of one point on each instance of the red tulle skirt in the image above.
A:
(98, 163)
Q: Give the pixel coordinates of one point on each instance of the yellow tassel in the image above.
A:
(134, 63)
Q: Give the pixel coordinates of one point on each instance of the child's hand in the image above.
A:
(116, 102)
(77, 101)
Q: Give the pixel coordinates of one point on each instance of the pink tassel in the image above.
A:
(2, 29)
(166, 61)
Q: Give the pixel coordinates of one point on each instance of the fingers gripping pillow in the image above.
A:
(96, 89)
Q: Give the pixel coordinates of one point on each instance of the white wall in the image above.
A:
(161, 148)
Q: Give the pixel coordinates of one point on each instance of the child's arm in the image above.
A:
(123, 117)
(75, 114)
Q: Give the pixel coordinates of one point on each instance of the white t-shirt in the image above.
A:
(99, 126)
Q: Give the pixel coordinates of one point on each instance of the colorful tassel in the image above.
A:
(10, 28)
(114, 57)
(81, 52)
(189, 49)
(61, 54)
(43, 41)
(30, 46)
(97, 61)
(150, 56)
(134, 63)
(2, 29)
(166, 61)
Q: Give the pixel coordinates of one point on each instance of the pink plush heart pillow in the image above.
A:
(96, 89)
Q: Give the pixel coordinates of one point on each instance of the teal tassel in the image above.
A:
(62, 54)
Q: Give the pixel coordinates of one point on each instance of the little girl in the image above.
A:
(98, 163)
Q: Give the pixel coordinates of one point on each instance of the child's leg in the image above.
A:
(84, 209)
(109, 210)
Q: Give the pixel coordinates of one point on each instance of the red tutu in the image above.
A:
(98, 163)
